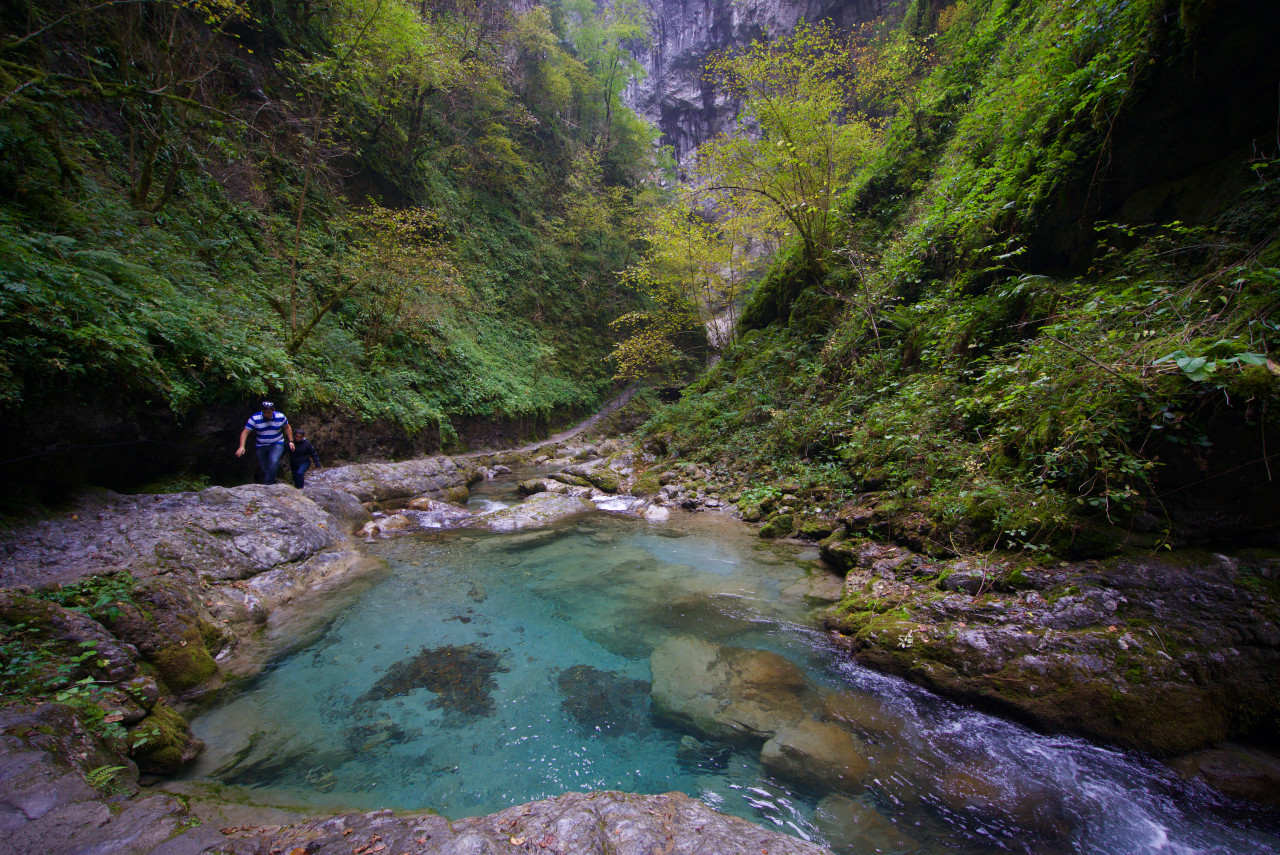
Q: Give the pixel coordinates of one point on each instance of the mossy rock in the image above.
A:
(817, 529)
(1255, 381)
(528, 488)
(571, 480)
(840, 553)
(162, 743)
(751, 512)
(604, 480)
(455, 495)
(646, 485)
(777, 526)
(185, 664)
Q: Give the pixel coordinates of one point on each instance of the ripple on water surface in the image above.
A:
(488, 670)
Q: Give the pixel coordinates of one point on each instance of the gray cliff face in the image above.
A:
(685, 32)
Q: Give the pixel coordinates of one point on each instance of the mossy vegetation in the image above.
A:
(996, 373)
(357, 208)
(186, 663)
(161, 742)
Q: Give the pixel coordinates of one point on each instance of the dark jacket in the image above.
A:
(301, 451)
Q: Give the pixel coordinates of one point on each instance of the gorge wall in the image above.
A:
(674, 96)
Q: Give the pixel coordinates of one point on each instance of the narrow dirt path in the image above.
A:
(612, 406)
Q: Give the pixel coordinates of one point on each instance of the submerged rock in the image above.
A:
(698, 756)
(725, 693)
(817, 753)
(860, 827)
(460, 675)
(755, 696)
(1236, 771)
(604, 703)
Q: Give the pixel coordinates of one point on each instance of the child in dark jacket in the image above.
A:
(302, 457)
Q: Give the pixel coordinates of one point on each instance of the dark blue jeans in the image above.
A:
(269, 459)
(300, 470)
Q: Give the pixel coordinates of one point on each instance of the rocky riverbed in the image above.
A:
(125, 610)
(1173, 653)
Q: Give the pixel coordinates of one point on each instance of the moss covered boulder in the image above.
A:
(162, 743)
(1164, 655)
(172, 631)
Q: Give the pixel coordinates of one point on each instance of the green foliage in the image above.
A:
(97, 596)
(799, 93)
(35, 664)
(933, 367)
(361, 205)
(104, 778)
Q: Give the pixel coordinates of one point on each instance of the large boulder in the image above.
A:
(725, 693)
(218, 533)
(1166, 654)
(820, 754)
(433, 477)
(538, 510)
(573, 824)
(339, 504)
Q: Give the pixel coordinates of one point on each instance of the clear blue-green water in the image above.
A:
(536, 648)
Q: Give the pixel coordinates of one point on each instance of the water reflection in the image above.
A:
(550, 633)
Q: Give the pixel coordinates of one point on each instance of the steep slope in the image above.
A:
(401, 222)
(1048, 335)
(673, 94)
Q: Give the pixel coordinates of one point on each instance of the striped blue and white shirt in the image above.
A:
(269, 431)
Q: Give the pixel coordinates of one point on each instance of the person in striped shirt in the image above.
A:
(271, 427)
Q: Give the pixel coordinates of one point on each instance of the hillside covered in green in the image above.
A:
(398, 219)
(1047, 315)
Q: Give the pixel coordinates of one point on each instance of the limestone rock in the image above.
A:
(819, 754)
(422, 514)
(339, 504)
(573, 824)
(537, 510)
(172, 630)
(162, 743)
(859, 827)
(1164, 654)
(970, 581)
(380, 482)
(725, 693)
(218, 533)
(657, 513)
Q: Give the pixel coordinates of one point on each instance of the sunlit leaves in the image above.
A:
(803, 136)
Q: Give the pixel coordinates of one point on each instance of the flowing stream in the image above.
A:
(486, 670)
